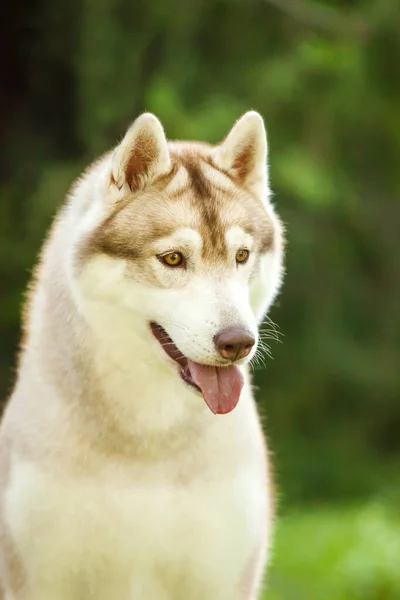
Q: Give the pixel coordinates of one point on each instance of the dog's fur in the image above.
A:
(117, 481)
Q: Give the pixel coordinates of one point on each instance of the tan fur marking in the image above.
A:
(244, 162)
(142, 156)
(212, 230)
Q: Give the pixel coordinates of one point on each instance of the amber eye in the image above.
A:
(242, 255)
(172, 259)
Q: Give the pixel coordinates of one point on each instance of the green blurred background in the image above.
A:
(326, 77)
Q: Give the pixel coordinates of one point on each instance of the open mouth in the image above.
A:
(220, 386)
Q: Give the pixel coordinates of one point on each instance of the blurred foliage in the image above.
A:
(325, 76)
(347, 554)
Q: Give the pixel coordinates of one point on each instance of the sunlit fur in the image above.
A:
(118, 483)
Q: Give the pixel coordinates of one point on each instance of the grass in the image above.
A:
(352, 553)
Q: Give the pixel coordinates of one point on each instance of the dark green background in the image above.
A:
(326, 78)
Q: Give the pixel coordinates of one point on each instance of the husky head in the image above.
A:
(183, 238)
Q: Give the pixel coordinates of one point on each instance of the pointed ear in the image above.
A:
(243, 153)
(141, 156)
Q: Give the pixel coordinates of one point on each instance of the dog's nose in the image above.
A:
(234, 343)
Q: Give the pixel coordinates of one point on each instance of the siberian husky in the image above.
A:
(133, 464)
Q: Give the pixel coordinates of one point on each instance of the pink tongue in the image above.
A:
(220, 386)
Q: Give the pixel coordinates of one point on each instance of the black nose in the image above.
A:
(234, 343)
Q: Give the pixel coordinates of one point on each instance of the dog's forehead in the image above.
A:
(194, 195)
(215, 204)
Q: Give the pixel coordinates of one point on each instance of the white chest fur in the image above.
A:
(141, 531)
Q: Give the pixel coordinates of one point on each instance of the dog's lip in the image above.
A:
(167, 344)
(173, 352)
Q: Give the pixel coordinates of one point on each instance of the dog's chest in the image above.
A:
(145, 521)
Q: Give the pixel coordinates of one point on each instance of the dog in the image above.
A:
(132, 460)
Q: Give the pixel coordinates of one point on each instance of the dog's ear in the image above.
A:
(141, 157)
(243, 153)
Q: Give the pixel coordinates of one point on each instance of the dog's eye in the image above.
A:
(242, 255)
(172, 259)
